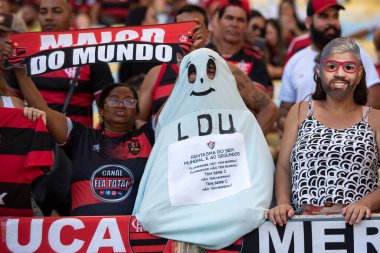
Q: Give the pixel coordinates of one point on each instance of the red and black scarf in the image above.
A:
(44, 52)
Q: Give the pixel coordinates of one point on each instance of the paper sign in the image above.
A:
(207, 168)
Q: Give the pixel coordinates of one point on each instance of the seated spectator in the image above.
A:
(275, 49)
(331, 156)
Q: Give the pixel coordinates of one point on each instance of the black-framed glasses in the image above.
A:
(114, 102)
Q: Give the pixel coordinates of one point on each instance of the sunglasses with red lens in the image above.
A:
(348, 66)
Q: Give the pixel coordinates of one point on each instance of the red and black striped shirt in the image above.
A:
(107, 169)
(25, 154)
(164, 85)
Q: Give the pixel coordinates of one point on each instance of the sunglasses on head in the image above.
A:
(348, 66)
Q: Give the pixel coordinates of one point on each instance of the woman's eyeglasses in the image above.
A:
(114, 102)
(348, 66)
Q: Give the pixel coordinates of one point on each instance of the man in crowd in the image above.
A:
(297, 81)
(230, 42)
(57, 15)
(159, 81)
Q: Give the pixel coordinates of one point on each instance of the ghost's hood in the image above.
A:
(204, 93)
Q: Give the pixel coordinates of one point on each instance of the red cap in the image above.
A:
(317, 6)
(207, 3)
(239, 3)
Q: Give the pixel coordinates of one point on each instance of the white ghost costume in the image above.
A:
(209, 177)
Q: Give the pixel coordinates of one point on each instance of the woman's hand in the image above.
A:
(34, 114)
(355, 212)
(280, 214)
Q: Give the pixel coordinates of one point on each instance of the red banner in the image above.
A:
(44, 52)
(78, 234)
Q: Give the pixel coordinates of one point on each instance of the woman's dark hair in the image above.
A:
(136, 16)
(106, 92)
(360, 92)
(276, 56)
(256, 13)
(292, 3)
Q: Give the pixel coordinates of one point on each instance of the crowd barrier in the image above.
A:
(303, 234)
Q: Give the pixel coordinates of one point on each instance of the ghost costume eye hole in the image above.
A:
(211, 69)
(192, 73)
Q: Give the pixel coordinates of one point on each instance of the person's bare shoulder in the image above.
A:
(299, 110)
(374, 119)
